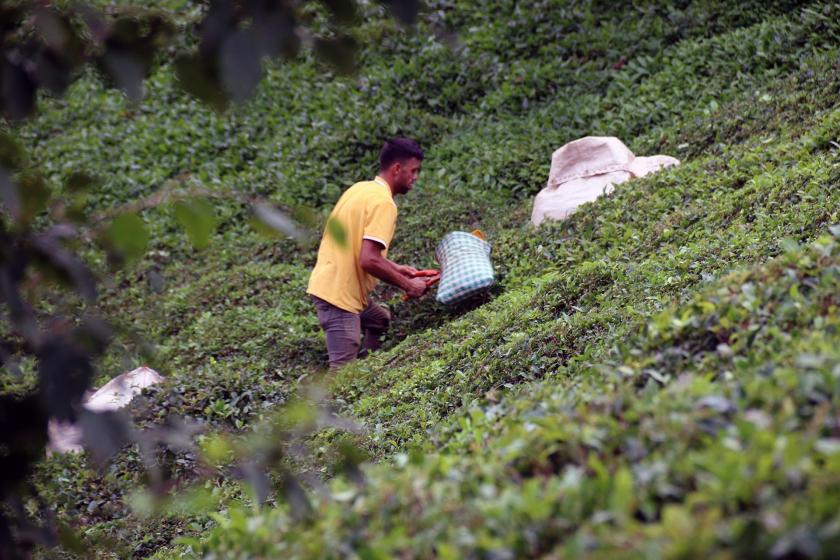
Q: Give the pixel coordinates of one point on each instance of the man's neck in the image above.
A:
(389, 180)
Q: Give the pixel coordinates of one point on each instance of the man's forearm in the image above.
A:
(386, 270)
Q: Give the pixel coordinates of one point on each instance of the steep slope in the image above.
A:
(684, 410)
(652, 377)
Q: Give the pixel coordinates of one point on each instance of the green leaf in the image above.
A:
(622, 497)
(677, 522)
(198, 219)
(193, 501)
(127, 236)
(217, 450)
(337, 231)
(789, 245)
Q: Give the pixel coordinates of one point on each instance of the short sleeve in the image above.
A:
(380, 221)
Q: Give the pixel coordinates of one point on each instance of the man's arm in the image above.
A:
(372, 262)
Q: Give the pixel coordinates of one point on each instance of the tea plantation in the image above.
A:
(656, 377)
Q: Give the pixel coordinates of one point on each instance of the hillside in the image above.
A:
(656, 376)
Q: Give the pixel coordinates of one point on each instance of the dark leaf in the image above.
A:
(126, 30)
(198, 219)
(126, 70)
(23, 437)
(339, 52)
(21, 315)
(10, 196)
(178, 434)
(96, 24)
(34, 195)
(140, 33)
(51, 27)
(296, 497)
(60, 231)
(63, 264)
(199, 79)
(404, 10)
(105, 433)
(52, 72)
(77, 186)
(80, 182)
(240, 62)
(17, 92)
(276, 32)
(28, 535)
(343, 11)
(217, 24)
(157, 283)
(64, 373)
(7, 359)
(10, 16)
(12, 153)
(8, 547)
(93, 335)
(257, 479)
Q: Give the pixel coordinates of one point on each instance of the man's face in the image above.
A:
(405, 173)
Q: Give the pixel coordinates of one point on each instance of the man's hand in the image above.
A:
(413, 282)
(416, 287)
(406, 270)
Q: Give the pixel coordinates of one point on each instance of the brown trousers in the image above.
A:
(343, 330)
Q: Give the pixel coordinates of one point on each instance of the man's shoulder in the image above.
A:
(370, 191)
(362, 184)
(358, 189)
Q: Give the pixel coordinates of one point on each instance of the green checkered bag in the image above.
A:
(465, 267)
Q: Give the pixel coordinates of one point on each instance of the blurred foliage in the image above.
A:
(49, 292)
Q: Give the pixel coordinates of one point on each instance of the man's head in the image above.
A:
(399, 163)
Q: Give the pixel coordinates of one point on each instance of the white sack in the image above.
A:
(587, 168)
(117, 393)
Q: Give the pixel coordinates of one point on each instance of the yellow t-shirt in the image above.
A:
(365, 211)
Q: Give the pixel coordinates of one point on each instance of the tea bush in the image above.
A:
(654, 377)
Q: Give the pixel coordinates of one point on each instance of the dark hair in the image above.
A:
(398, 150)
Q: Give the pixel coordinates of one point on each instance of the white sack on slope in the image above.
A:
(117, 393)
(587, 168)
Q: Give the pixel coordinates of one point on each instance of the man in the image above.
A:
(345, 273)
